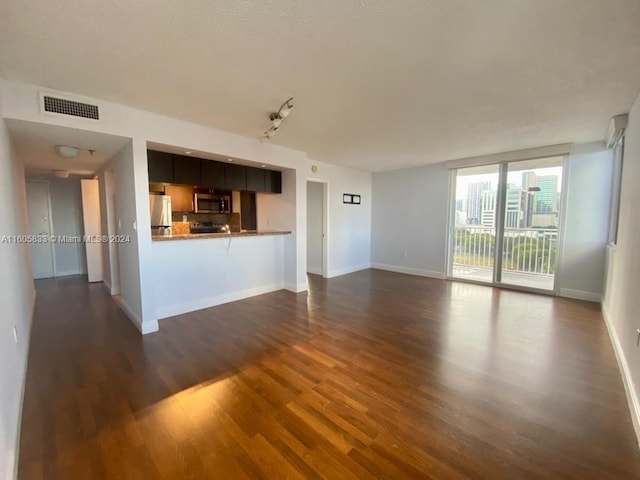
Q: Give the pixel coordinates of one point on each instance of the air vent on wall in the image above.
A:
(71, 108)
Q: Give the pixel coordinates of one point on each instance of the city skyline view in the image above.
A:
(513, 177)
(532, 199)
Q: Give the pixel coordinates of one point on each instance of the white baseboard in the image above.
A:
(580, 295)
(314, 270)
(408, 270)
(207, 302)
(627, 380)
(296, 288)
(12, 466)
(344, 271)
(144, 327)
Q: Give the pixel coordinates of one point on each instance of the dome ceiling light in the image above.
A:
(67, 151)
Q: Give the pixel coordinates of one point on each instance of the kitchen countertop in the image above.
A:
(195, 236)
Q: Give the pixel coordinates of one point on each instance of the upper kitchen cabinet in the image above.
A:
(160, 166)
(236, 176)
(186, 170)
(213, 174)
(255, 179)
(273, 181)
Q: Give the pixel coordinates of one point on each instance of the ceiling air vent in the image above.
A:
(71, 108)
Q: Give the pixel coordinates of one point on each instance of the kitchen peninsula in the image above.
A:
(211, 251)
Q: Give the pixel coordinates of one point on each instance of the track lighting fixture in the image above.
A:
(277, 117)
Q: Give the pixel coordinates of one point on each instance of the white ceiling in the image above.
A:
(35, 144)
(377, 85)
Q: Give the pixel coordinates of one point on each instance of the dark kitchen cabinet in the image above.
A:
(236, 177)
(186, 170)
(248, 213)
(255, 179)
(160, 166)
(273, 181)
(212, 174)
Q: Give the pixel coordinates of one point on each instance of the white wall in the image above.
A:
(66, 216)
(194, 274)
(122, 164)
(409, 220)
(278, 212)
(586, 222)
(349, 225)
(409, 227)
(621, 300)
(110, 262)
(314, 227)
(16, 298)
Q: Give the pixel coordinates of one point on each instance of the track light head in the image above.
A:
(286, 107)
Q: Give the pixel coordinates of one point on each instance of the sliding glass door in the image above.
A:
(505, 223)
(474, 238)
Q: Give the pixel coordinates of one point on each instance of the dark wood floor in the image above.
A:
(370, 375)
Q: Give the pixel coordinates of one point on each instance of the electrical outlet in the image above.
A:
(15, 334)
(135, 226)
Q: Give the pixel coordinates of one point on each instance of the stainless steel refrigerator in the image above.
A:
(160, 209)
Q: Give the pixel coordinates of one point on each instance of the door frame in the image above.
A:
(50, 216)
(325, 223)
(503, 168)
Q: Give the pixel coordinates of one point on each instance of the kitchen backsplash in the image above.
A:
(179, 227)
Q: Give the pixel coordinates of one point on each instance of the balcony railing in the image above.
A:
(530, 251)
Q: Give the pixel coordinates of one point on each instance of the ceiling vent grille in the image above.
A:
(71, 108)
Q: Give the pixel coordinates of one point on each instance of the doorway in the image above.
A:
(505, 223)
(40, 229)
(317, 228)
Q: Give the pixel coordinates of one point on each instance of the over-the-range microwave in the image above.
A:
(211, 203)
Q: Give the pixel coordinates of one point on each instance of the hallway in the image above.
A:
(369, 375)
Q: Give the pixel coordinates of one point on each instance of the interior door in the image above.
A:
(38, 209)
(315, 225)
(92, 228)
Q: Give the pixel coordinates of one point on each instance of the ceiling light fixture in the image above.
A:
(277, 118)
(61, 173)
(67, 151)
(271, 132)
